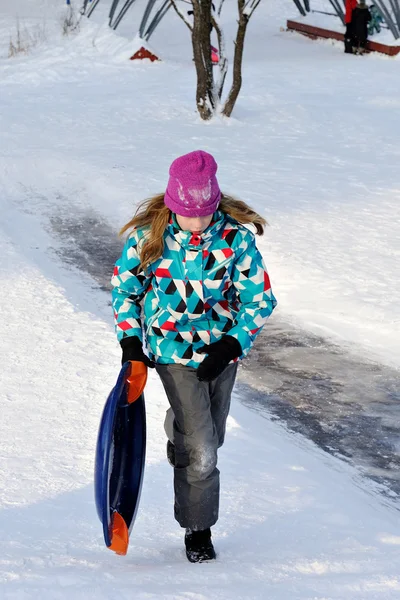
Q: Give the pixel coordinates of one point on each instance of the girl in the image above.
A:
(192, 271)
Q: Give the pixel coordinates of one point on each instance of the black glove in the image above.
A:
(219, 356)
(132, 350)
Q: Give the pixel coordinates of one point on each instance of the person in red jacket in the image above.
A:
(348, 36)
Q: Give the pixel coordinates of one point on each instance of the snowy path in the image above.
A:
(295, 522)
(345, 404)
(348, 406)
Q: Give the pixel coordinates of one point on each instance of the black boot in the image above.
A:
(199, 546)
(348, 46)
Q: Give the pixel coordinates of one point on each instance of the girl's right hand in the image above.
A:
(132, 349)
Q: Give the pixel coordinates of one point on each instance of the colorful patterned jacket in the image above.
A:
(202, 288)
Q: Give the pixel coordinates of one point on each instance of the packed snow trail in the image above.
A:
(347, 405)
(295, 522)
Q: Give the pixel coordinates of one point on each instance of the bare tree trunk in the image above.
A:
(202, 58)
(208, 95)
(237, 61)
(223, 61)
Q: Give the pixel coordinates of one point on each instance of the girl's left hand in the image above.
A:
(219, 356)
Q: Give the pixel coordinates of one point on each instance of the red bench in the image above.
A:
(317, 32)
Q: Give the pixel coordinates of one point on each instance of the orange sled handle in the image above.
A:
(136, 380)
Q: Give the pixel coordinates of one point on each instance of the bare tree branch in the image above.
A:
(253, 5)
(182, 16)
(220, 8)
(244, 18)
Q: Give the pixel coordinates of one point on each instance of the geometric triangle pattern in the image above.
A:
(203, 287)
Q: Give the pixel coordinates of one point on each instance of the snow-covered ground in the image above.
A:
(314, 146)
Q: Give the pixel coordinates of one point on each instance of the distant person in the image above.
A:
(348, 36)
(192, 287)
(359, 25)
(376, 20)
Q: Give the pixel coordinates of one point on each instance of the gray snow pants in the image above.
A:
(196, 424)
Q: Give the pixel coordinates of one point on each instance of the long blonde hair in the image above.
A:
(155, 215)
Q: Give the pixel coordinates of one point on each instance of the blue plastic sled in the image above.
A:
(120, 456)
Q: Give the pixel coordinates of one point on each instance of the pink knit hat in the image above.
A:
(193, 189)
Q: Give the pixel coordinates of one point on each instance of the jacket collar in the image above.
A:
(187, 240)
